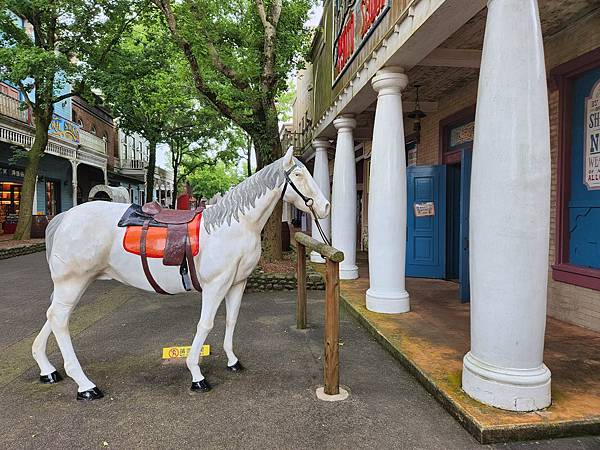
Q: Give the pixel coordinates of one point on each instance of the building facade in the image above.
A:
(471, 128)
(72, 153)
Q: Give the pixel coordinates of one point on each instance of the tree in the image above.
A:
(210, 180)
(146, 86)
(211, 139)
(69, 39)
(239, 54)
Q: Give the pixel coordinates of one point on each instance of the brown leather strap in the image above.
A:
(144, 257)
(191, 266)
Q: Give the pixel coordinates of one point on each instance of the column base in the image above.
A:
(348, 273)
(506, 388)
(391, 302)
(316, 258)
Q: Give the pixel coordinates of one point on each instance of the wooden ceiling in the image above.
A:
(438, 82)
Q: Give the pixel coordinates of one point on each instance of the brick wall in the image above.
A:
(103, 124)
(567, 302)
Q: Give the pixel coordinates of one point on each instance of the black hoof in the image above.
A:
(90, 394)
(52, 378)
(201, 386)
(237, 367)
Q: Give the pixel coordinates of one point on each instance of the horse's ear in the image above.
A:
(288, 159)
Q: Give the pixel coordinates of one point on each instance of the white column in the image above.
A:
(74, 165)
(321, 176)
(343, 197)
(34, 210)
(510, 213)
(387, 197)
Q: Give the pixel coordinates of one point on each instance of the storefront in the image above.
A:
(53, 193)
(578, 198)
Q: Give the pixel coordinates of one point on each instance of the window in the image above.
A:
(457, 134)
(578, 182)
(93, 129)
(80, 123)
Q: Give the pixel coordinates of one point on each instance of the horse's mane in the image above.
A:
(243, 196)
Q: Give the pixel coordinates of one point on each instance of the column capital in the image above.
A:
(345, 122)
(321, 144)
(390, 80)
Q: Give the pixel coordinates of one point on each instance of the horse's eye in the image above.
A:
(297, 174)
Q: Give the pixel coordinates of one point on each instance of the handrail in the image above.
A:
(333, 257)
(323, 249)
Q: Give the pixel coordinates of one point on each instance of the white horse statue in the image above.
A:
(85, 244)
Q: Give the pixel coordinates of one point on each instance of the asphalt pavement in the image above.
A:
(118, 334)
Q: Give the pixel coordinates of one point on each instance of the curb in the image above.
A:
(482, 433)
(22, 250)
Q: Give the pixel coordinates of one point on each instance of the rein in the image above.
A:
(308, 201)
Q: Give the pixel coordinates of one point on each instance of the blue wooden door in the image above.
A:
(584, 201)
(426, 222)
(465, 196)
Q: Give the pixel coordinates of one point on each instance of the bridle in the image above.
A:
(308, 201)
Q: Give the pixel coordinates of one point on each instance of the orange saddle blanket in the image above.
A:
(157, 239)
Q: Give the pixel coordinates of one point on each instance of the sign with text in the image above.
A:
(591, 155)
(424, 209)
(354, 22)
(64, 129)
(183, 351)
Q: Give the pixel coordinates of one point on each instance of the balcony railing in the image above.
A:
(131, 164)
(12, 107)
(92, 142)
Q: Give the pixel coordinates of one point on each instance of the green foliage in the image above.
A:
(210, 180)
(145, 83)
(240, 54)
(70, 38)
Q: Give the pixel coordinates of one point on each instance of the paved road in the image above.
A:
(119, 335)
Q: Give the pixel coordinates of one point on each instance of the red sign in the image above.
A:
(354, 21)
(345, 44)
(370, 10)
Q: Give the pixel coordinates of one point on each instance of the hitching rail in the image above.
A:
(333, 257)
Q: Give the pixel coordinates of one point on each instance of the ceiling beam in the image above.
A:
(452, 57)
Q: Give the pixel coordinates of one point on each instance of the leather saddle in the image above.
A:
(154, 231)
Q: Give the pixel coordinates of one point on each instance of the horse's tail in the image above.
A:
(51, 231)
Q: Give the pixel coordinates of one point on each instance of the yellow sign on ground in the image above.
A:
(182, 352)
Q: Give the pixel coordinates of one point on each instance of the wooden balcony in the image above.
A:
(135, 168)
(13, 108)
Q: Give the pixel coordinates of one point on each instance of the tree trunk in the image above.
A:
(249, 156)
(268, 146)
(150, 171)
(34, 155)
(175, 183)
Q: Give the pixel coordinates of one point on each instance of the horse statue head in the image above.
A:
(305, 195)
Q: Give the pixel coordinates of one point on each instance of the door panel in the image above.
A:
(465, 196)
(425, 245)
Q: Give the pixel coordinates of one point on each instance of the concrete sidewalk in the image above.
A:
(431, 340)
(148, 404)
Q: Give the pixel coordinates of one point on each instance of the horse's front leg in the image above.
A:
(212, 296)
(233, 300)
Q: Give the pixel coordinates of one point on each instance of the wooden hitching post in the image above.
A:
(301, 276)
(332, 329)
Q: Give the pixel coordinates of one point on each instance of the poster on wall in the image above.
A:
(591, 155)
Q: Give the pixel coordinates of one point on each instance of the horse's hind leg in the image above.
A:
(233, 300)
(65, 298)
(48, 373)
